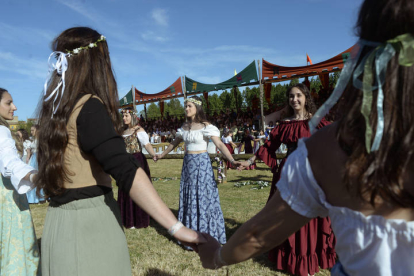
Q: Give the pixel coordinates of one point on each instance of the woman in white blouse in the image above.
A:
(135, 139)
(199, 207)
(24, 138)
(359, 170)
(19, 252)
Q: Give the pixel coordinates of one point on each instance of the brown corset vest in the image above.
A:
(132, 143)
(83, 169)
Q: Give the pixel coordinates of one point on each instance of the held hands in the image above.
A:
(243, 165)
(208, 253)
(155, 158)
(190, 238)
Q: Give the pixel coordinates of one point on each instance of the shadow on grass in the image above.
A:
(157, 272)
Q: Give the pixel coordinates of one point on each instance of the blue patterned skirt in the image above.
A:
(199, 198)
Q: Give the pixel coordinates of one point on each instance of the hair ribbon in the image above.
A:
(61, 66)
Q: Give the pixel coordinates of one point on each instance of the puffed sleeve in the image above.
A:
(211, 130)
(179, 133)
(267, 152)
(97, 136)
(298, 187)
(323, 123)
(143, 138)
(11, 166)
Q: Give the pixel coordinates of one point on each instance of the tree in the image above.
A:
(173, 108)
(216, 105)
(153, 111)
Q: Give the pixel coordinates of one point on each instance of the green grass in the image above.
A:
(154, 252)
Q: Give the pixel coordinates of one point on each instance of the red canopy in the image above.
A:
(175, 90)
(276, 72)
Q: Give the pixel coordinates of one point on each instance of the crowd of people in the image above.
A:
(342, 199)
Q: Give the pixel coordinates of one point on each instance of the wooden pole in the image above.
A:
(184, 90)
(133, 98)
(261, 96)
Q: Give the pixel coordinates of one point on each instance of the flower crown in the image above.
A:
(126, 111)
(90, 46)
(193, 101)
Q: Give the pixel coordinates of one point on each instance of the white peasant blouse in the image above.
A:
(197, 140)
(11, 166)
(366, 245)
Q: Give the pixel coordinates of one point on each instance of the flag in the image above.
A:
(235, 72)
(308, 59)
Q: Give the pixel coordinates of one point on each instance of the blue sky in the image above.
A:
(154, 42)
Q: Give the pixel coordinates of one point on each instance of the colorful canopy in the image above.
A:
(273, 71)
(173, 91)
(241, 79)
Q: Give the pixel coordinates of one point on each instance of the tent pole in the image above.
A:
(133, 98)
(261, 95)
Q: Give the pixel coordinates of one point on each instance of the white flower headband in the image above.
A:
(193, 101)
(61, 66)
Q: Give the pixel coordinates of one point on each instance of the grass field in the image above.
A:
(154, 252)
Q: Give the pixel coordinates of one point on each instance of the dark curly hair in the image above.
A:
(309, 104)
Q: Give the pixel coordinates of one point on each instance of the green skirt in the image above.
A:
(85, 237)
(19, 252)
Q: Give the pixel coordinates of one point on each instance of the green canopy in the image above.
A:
(241, 79)
(127, 99)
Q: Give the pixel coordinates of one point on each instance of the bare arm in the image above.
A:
(150, 150)
(269, 228)
(170, 147)
(144, 194)
(222, 148)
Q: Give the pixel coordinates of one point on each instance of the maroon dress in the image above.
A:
(247, 140)
(131, 214)
(314, 244)
(231, 150)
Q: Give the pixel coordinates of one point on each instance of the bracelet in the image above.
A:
(221, 262)
(173, 229)
(232, 161)
(31, 176)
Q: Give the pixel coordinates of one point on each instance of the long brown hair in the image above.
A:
(380, 174)
(3, 122)
(89, 72)
(309, 104)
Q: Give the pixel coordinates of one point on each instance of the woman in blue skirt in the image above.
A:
(32, 197)
(199, 207)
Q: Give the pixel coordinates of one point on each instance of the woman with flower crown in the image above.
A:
(80, 147)
(359, 170)
(19, 251)
(135, 139)
(199, 207)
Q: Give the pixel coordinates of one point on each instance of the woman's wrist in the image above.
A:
(218, 259)
(174, 229)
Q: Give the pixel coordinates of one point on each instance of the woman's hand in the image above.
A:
(155, 158)
(208, 251)
(190, 238)
(243, 165)
(159, 156)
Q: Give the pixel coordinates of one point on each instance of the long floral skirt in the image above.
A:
(19, 251)
(132, 215)
(199, 207)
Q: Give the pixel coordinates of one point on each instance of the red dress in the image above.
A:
(314, 244)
